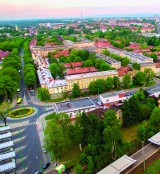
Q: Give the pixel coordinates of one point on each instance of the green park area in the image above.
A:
(154, 168)
(130, 133)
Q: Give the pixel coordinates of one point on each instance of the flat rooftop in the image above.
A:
(111, 94)
(118, 166)
(107, 58)
(74, 105)
(138, 56)
(155, 139)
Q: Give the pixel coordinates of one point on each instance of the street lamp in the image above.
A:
(144, 165)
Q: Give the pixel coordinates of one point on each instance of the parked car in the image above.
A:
(45, 166)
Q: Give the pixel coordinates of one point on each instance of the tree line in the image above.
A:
(29, 68)
(10, 73)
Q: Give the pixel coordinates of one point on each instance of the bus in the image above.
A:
(19, 100)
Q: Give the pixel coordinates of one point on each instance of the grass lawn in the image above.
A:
(150, 83)
(154, 168)
(71, 157)
(56, 100)
(130, 133)
(50, 116)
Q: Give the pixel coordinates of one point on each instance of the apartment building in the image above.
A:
(113, 62)
(139, 58)
(83, 80)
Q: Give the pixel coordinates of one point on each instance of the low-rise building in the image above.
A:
(114, 98)
(138, 58)
(113, 62)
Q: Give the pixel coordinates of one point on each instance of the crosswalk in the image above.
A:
(24, 124)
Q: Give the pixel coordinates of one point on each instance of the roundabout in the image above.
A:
(21, 112)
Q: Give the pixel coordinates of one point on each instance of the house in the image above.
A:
(100, 112)
(114, 98)
(103, 44)
(124, 70)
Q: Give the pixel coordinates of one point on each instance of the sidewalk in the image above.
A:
(41, 124)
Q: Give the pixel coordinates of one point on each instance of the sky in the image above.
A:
(31, 9)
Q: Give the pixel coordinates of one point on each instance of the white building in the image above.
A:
(109, 99)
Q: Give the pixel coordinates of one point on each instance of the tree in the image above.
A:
(155, 119)
(111, 133)
(43, 94)
(78, 169)
(154, 56)
(90, 168)
(30, 78)
(105, 66)
(131, 111)
(126, 80)
(111, 119)
(76, 92)
(109, 83)
(7, 86)
(12, 72)
(55, 139)
(106, 52)
(61, 70)
(4, 109)
(125, 61)
(136, 66)
(54, 69)
(116, 82)
(149, 74)
(140, 78)
(88, 63)
(142, 132)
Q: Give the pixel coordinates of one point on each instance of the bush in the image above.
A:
(21, 112)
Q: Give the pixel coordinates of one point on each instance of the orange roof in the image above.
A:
(73, 64)
(124, 70)
(81, 70)
(60, 53)
(121, 95)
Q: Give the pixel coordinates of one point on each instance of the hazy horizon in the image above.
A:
(29, 9)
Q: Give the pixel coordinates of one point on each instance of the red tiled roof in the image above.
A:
(121, 95)
(103, 44)
(60, 53)
(134, 46)
(73, 64)
(124, 70)
(81, 70)
(3, 54)
(157, 65)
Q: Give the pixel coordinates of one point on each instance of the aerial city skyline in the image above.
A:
(49, 9)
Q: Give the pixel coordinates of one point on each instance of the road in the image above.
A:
(29, 155)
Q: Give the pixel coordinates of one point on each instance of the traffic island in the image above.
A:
(21, 112)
